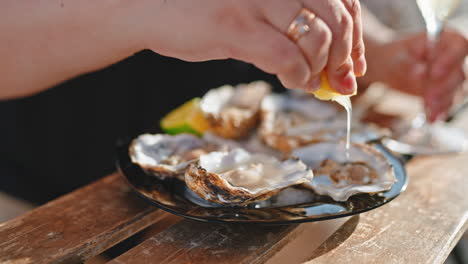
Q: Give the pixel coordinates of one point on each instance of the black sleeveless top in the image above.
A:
(63, 138)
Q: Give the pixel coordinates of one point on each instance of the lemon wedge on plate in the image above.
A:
(326, 92)
(187, 118)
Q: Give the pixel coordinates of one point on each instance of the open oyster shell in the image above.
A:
(289, 122)
(232, 111)
(166, 155)
(238, 177)
(366, 171)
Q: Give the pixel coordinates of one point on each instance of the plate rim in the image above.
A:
(122, 146)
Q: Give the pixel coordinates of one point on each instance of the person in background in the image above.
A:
(397, 54)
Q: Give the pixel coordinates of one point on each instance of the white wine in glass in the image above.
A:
(435, 13)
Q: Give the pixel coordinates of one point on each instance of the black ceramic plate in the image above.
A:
(173, 196)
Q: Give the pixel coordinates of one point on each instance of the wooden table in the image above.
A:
(420, 226)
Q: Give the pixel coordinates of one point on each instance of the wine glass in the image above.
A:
(422, 137)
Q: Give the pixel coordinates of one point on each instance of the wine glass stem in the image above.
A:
(433, 34)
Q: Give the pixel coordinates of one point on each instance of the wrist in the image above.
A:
(144, 23)
(120, 24)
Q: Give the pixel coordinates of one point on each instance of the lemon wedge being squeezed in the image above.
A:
(326, 92)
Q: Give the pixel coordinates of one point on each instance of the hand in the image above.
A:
(446, 74)
(254, 31)
(407, 65)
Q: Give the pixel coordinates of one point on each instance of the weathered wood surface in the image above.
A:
(199, 242)
(76, 226)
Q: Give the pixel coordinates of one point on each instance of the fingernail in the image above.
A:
(418, 71)
(360, 67)
(314, 85)
(429, 113)
(348, 83)
(440, 116)
(438, 72)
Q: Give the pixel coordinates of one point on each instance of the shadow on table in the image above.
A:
(343, 233)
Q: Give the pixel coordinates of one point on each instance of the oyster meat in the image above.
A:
(366, 171)
(238, 177)
(166, 155)
(232, 111)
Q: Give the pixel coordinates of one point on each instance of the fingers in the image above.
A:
(439, 110)
(274, 53)
(446, 74)
(340, 65)
(451, 52)
(439, 96)
(328, 45)
(315, 44)
(357, 52)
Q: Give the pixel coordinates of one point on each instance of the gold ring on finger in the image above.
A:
(300, 25)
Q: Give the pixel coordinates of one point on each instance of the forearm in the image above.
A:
(46, 42)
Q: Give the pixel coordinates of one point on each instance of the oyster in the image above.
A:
(289, 122)
(168, 156)
(366, 171)
(238, 177)
(232, 112)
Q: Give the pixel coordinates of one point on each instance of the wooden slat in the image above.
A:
(77, 226)
(199, 242)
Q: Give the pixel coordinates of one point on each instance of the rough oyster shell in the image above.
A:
(366, 171)
(166, 155)
(238, 177)
(232, 112)
(289, 122)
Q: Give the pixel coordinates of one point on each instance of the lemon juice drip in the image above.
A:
(346, 103)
